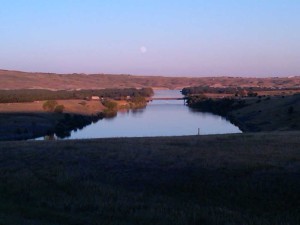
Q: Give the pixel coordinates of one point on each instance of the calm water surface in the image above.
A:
(159, 118)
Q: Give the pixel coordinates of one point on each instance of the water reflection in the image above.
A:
(137, 111)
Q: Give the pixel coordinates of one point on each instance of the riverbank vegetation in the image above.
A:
(31, 95)
(211, 180)
(254, 114)
(217, 106)
(239, 91)
(53, 106)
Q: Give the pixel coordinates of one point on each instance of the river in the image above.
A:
(159, 118)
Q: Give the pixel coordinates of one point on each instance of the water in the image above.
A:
(159, 118)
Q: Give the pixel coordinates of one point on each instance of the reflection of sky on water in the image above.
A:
(167, 93)
(160, 118)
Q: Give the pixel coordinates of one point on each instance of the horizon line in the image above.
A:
(147, 75)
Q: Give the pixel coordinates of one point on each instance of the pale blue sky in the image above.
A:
(152, 37)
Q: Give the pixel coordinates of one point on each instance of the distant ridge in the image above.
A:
(10, 79)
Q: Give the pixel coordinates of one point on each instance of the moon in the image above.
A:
(143, 49)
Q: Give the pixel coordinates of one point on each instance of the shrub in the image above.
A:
(59, 109)
(138, 99)
(111, 105)
(50, 105)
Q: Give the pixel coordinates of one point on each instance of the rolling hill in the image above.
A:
(24, 80)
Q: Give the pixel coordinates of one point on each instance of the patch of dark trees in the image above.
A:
(238, 91)
(31, 95)
(221, 106)
(217, 106)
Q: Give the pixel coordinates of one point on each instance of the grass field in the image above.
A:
(74, 106)
(220, 179)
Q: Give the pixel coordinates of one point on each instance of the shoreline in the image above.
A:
(23, 121)
(25, 126)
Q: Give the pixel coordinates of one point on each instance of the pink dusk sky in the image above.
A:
(151, 37)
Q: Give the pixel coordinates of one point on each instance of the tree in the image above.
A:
(110, 104)
(50, 105)
(59, 109)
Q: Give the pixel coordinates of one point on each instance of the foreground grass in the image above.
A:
(222, 179)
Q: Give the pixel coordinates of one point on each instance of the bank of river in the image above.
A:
(21, 121)
(255, 114)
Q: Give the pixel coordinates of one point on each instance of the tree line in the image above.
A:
(30, 95)
(218, 106)
(227, 90)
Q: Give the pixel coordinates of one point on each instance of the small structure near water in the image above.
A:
(95, 98)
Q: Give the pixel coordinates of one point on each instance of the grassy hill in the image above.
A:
(219, 179)
(278, 113)
(254, 114)
(19, 80)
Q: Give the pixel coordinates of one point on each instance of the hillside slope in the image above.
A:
(269, 114)
(19, 80)
(210, 180)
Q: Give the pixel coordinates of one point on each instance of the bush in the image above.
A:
(50, 105)
(59, 109)
(138, 99)
(138, 102)
(111, 105)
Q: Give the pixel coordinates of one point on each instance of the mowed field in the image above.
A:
(218, 179)
(75, 106)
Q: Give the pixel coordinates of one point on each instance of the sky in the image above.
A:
(152, 37)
